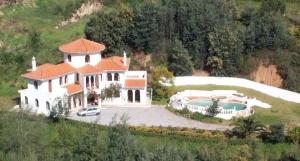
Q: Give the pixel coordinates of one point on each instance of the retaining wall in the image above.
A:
(239, 82)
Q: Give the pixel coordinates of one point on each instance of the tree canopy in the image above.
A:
(179, 61)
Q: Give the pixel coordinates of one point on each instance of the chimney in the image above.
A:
(33, 64)
(124, 58)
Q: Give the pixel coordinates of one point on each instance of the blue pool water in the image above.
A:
(225, 105)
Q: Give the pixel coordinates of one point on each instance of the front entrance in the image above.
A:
(134, 96)
(130, 96)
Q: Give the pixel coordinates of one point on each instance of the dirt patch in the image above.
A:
(86, 9)
(267, 74)
(200, 73)
(141, 60)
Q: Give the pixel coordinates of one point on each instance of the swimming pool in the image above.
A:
(225, 105)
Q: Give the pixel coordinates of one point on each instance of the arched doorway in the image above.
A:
(137, 96)
(130, 96)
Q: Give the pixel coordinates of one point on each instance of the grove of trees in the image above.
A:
(198, 34)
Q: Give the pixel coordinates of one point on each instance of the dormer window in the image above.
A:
(35, 83)
(87, 58)
(69, 58)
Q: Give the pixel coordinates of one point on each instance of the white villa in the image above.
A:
(81, 77)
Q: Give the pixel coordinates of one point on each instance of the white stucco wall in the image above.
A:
(42, 93)
(79, 60)
(143, 94)
(239, 82)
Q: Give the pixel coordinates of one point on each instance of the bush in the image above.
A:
(178, 133)
(276, 135)
(197, 116)
(293, 135)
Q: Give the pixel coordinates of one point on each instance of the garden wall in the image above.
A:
(239, 82)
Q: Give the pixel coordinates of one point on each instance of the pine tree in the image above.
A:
(179, 61)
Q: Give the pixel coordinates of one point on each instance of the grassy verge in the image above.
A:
(281, 111)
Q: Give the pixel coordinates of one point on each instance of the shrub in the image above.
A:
(276, 135)
(197, 116)
(293, 135)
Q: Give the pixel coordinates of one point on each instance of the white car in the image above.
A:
(88, 111)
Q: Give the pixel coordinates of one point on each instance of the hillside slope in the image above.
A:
(33, 29)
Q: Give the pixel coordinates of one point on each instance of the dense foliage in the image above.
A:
(159, 79)
(179, 61)
(25, 137)
(215, 36)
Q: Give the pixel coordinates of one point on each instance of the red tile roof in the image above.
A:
(135, 83)
(48, 71)
(114, 63)
(87, 69)
(73, 89)
(81, 46)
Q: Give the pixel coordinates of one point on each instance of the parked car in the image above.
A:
(88, 111)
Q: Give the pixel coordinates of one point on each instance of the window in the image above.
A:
(26, 100)
(48, 105)
(92, 81)
(87, 82)
(60, 80)
(35, 84)
(69, 58)
(109, 77)
(116, 77)
(77, 77)
(50, 85)
(66, 79)
(36, 103)
(137, 96)
(87, 58)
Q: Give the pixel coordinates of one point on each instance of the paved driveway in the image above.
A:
(146, 116)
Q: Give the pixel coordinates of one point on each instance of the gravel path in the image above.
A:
(147, 116)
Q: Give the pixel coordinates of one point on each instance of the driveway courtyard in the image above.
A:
(146, 116)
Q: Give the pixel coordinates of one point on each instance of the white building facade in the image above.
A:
(82, 78)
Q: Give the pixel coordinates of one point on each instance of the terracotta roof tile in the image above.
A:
(87, 69)
(81, 46)
(135, 83)
(114, 63)
(48, 71)
(73, 88)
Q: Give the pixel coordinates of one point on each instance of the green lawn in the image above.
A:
(281, 111)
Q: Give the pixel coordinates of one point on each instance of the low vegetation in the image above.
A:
(26, 137)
